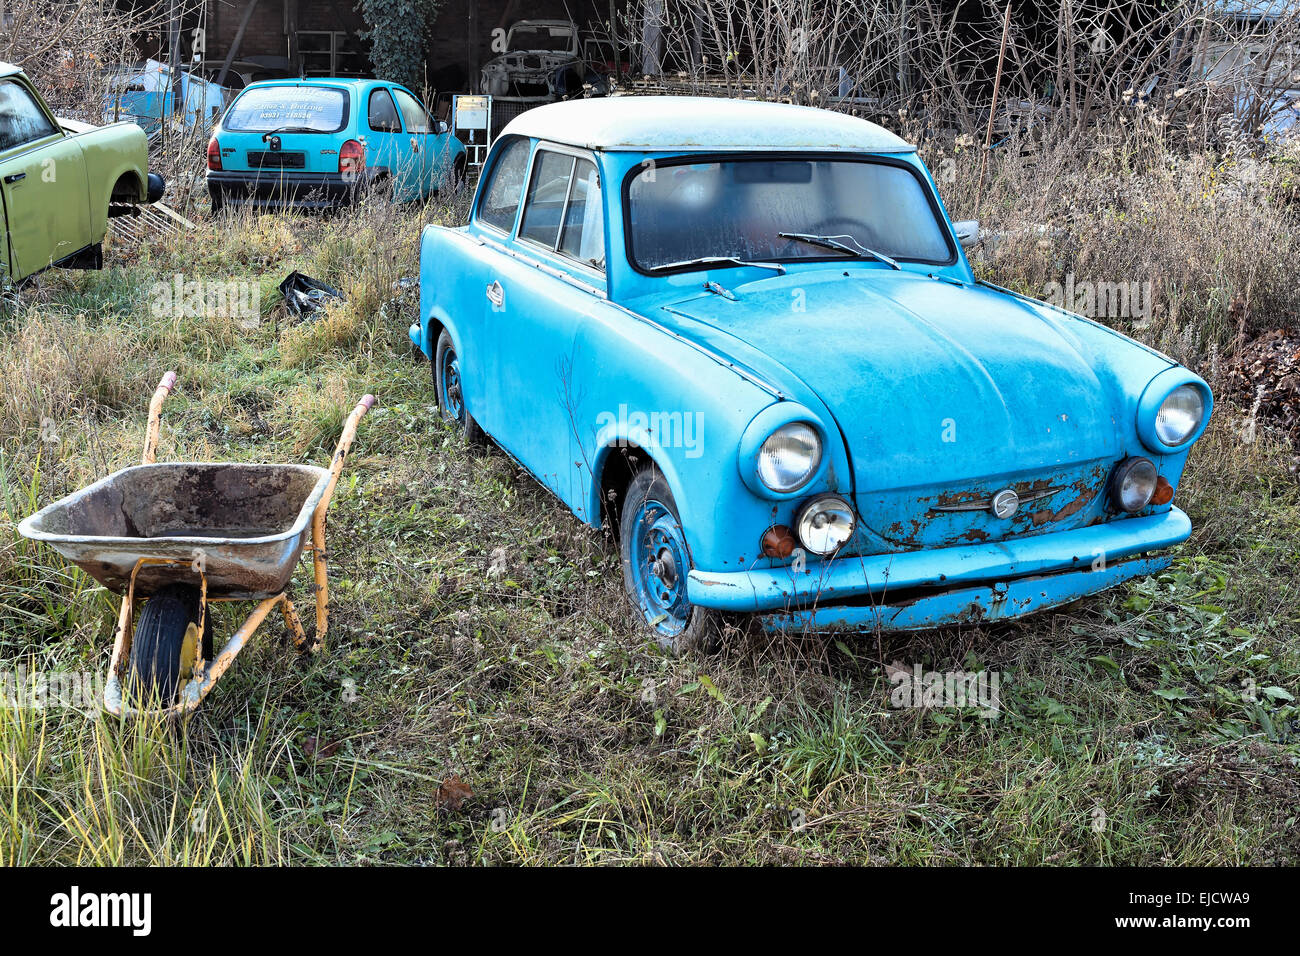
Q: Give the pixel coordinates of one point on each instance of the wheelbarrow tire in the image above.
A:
(159, 642)
(449, 390)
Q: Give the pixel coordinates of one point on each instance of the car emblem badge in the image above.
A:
(275, 143)
(1005, 503)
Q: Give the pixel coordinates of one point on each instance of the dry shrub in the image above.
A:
(335, 327)
(57, 366)
(1202, 238)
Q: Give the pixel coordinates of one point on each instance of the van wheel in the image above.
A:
(166, 643)
(450, 388)
(652, 545)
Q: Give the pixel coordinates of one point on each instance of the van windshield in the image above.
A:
(302, 109)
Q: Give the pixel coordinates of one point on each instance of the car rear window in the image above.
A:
(308, 109)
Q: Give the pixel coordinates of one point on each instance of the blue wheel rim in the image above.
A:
(452, 397)
(659, 564)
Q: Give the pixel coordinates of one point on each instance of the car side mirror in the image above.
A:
(440, 127)
(968, 232)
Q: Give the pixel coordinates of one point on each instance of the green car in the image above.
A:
(60, 181)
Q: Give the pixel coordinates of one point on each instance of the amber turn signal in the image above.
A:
(1164, 492)
(778, 542)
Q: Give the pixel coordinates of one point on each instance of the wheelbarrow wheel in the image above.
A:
(163, 650)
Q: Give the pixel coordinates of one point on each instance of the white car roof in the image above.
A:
(701, 123)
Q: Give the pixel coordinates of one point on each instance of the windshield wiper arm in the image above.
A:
(844, 243)
(719, 261)
(286, 129)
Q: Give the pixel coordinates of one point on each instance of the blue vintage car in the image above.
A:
(747, 337)
(317, 143)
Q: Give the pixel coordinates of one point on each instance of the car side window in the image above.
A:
(414, 115)
(382, 114)
(21, 118)
(501, 198)
(582, 236)
(563, 211)
(547, 194)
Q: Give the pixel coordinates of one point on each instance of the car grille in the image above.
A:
(1055, 499)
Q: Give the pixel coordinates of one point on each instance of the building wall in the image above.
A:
(460, 44)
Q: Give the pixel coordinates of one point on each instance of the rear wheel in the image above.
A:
(656, 562)
(450, 388)
(166, 644)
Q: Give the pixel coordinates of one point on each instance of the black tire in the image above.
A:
(455, 182)
(451, 400)
(218, 203)
(159, 646)
(703, 626)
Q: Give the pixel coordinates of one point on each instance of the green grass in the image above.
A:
(1126, 733)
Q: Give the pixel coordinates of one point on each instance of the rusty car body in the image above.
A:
(747, 336)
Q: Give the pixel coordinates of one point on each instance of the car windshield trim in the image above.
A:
(284, 117)
(688, 158)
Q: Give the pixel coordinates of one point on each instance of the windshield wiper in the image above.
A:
(286, 129)
(843, 243)
(720, 261)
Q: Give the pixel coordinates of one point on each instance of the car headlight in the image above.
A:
(1180, 415)
(824, 524)
(1132, 484)
(790, 457)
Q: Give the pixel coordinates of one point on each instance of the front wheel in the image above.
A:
(656, 562)
(450, 388)
(166, 644)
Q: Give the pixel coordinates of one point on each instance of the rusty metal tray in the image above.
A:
(246, 523)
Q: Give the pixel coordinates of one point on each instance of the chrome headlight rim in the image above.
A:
(818, 451)
(1157, 393)
(761, 428)
(1125, 469)
(816, 503)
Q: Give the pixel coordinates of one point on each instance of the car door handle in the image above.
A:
(14, 177)
(415, 145)
(496, 295)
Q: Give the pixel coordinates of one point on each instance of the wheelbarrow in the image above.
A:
(181, 536)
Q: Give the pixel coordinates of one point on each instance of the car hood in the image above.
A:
(943, 392)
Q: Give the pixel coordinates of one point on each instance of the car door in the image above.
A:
(42, 183)
(385, 140)
(420, 135)
(537, 302)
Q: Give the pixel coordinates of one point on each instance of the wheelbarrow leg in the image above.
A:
(302, 644)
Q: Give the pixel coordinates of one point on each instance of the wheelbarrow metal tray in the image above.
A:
(248, 522)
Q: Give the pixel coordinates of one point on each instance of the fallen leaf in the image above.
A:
(453, 792)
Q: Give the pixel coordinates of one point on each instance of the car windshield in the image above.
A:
(551, 39)
(739, 209)
(304, 109)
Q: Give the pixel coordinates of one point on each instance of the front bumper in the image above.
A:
(1061, 564)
